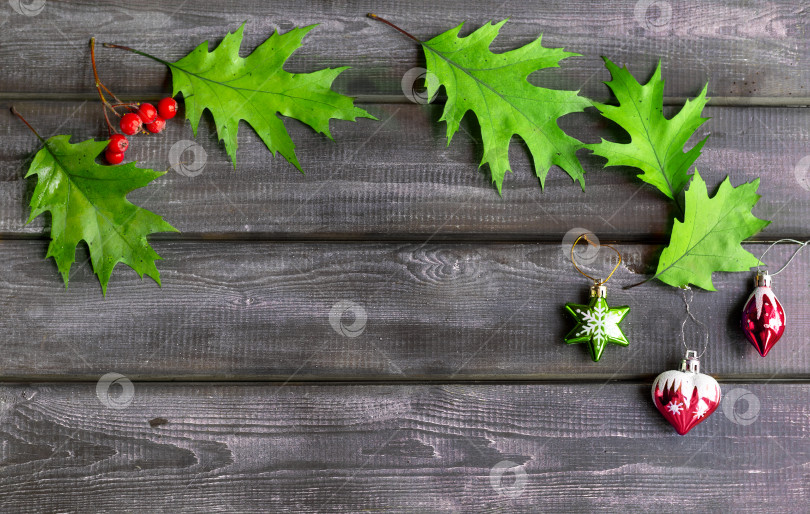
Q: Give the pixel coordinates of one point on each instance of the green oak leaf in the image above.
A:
(709, 237)
(256, 89)
(87, 202)
(656, 145)
(495, 88)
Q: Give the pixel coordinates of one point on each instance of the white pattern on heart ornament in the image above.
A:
(685, 398)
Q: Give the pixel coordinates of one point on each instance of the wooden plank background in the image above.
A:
(245, 395)
(397, 179)
(338, 448)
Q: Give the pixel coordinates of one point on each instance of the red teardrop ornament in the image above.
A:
(763, 318)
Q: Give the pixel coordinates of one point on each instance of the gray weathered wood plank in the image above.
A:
(745, 49)
(445, 311)
(245, 299)
(413, 448)
(397, 179)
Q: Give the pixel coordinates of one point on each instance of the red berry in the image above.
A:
(130, 123)
(156, 126)
(148, 113)
(167, 108)
(118, 143)
(114, 157)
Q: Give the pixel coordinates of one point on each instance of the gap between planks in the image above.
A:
(346, 239)
(224, 379)
(717, 101)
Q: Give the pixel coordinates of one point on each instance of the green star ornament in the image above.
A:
(597, 323)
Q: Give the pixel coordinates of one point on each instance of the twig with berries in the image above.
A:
(139, 116)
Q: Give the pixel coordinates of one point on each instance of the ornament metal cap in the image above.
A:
(691, 363)
(763, 279)
(598, 290)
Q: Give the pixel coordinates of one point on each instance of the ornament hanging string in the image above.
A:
(801, 247)
(596, 281)
(686, 302)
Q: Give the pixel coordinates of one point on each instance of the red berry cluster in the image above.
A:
(140, 116)
(146, 117)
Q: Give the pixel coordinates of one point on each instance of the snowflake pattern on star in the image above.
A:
(597, 325)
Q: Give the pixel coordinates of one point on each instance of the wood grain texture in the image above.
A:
(397, 179)
(412, 448)
(747, 49)
(394, 260)
(446, 311)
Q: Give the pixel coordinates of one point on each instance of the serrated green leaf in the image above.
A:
(709, 237)
(657, 144)
(495, 88)
(87, 202)
(256, 89)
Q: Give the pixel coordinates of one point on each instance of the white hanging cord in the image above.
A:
(799, 249)
(692, 316)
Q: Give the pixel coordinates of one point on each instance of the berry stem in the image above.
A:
(375, 17)
(110, 129)
(99, 85)
(17, 114)
(111, 93)
(131, 106)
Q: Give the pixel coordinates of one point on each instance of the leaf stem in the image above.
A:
(375, 17)
(128, 49)
(639, 283)
(17, 114)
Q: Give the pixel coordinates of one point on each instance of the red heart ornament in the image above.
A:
(686, 397)
(763, 318)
